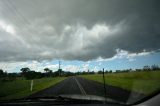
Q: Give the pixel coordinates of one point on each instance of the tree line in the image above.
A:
(27, 73)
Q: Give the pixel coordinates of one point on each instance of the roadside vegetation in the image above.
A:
(145, 82)
(18, 85)
(19, 88)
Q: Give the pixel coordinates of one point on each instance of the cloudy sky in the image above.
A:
(83, 34)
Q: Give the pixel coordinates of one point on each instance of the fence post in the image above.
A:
(31, 85)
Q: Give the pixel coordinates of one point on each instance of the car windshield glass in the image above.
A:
(100, 50)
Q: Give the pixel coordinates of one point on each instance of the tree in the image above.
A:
(110, 71)
(106, 71)
(24, 71)
(138, 69)
(100, 72)
(50, 73)
(12, 76)
(155, 67)
(46, 70)
(33, 75)
(146, 68)
(1, 73)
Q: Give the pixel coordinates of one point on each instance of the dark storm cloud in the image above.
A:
(81, 30)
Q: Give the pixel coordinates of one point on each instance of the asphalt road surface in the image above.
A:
(81, 86)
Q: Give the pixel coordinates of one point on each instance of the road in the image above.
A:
(81, 86)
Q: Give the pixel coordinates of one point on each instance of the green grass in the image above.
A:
(142, 82)
(21, 88)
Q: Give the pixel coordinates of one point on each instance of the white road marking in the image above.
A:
(80, 87)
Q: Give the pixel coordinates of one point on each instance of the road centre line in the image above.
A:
(80, 87)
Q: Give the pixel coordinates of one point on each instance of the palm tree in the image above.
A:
(25, 70)
(46, 70)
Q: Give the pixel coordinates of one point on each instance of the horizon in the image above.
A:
(115, 63)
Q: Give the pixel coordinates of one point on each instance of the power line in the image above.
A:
(17, 20)
(23, 19)
(14, 7)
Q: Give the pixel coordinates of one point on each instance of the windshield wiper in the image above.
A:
(64, 99)
(87, 99)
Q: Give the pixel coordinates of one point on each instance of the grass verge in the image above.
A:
(142, 82)
(21, 88)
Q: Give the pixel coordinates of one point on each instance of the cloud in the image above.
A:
(85, 67)
(6, 27)
(64, 30)
(71, 68)
(123, 54)
(33, 65)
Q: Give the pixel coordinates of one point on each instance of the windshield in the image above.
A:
(104, 50)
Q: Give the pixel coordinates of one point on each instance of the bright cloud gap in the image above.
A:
(71, 66)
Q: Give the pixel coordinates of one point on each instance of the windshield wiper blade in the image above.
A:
(45, 98)
(62, 100)
(93, 98)
(76, 99)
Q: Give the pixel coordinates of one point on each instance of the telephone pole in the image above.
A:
(59, 65)
(59, 70)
